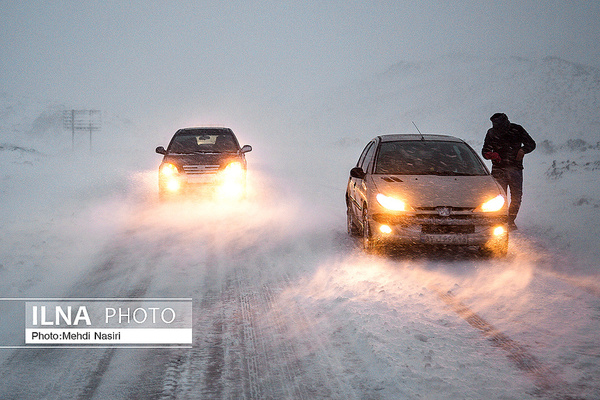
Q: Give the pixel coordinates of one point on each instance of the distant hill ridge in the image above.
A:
(554, 99)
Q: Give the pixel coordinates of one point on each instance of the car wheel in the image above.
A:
(368, 241)
(351, 225)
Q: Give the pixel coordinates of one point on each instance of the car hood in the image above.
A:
(437, 191)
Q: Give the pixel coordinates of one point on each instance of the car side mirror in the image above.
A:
(161, 150)
(246, 149)
(357, 172)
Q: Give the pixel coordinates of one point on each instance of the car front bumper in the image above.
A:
(208, 185)
(460, 230)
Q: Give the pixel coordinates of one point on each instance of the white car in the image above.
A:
(411, 189)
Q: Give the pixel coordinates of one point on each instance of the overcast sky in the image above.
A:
(160, 55)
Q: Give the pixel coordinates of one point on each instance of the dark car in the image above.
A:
(425, 189)
(207, 161)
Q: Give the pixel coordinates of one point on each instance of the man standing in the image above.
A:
(506, 144)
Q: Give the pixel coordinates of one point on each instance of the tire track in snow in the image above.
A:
(199, 371)
(94, 376)
(250, 350)
(217, 366)
(64, 372)
(545, 380)
(271, 356)
(172, 376)
(247, 345)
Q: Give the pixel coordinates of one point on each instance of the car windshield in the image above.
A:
(425, 157)
(203, 143)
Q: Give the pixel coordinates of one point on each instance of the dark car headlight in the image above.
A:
(169, 175)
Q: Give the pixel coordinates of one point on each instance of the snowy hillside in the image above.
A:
(555, 99)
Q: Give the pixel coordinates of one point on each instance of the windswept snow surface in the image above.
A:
(285, 305)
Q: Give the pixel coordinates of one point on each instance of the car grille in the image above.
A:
(453, 209)
(424, 219)
(460, 220)
(200, 169)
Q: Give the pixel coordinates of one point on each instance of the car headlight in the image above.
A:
(232, 181)
(168, 170)
(169, 176)
(492, 205)
(391, 203)
(233, 171)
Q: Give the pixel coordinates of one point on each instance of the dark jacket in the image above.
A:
(507, 143)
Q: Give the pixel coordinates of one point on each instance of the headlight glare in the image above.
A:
(385, 229)
(391, 203)
(173, 185)
(232, 181)
(492, 205)
(233, 170)
(499, 231)
(168, 170)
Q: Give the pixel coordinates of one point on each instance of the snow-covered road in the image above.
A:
(285, 305)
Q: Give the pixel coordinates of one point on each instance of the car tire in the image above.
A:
(367, 237)
(351, 224)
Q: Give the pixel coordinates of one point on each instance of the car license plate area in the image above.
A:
(458, 239)
(201, 178)
(439, 229)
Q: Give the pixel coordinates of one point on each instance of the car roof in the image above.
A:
(397, 137)
(204, 129)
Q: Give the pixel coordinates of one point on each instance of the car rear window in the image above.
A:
(203, 143)
(426, 157)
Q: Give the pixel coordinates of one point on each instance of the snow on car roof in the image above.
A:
(414, 136)
(203, 129)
